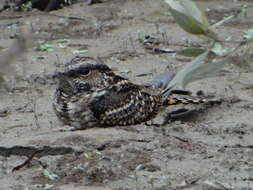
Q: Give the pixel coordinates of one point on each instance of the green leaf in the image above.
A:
(187, 74)
(205, 65)
(188, 8)
(188, 23)
(191, 52)
(190, 18)
(50, 175)
(45, 47)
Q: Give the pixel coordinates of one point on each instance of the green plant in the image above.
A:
(213, 57)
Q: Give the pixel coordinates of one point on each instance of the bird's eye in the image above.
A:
(84, 71)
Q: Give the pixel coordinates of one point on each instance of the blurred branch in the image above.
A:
(17, 49)
(222, 21)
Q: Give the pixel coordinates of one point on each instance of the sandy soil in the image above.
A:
(211, 149)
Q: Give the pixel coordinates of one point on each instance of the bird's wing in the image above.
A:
(123, 103)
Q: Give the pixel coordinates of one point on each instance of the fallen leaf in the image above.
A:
(248, 34)
(50, 175)
(191, 52)
(81, 51)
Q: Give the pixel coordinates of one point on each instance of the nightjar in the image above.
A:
(90, 94)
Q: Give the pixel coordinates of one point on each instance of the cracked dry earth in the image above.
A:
(211, 148)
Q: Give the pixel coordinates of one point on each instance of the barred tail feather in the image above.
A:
(189, 100)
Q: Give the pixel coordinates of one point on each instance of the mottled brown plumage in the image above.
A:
(90, 94)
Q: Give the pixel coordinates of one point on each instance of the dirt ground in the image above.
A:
(211, 149)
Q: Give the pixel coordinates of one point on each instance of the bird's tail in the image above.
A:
(185, 99)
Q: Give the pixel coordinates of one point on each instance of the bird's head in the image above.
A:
(84, 74)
